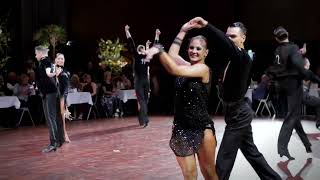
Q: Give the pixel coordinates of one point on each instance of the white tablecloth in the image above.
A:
(9, 101)
(125, 95)
(79, 98)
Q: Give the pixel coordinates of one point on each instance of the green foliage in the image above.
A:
(4, 39)
(110, 54)
(4, 42)
(3, 61)
(50, 35)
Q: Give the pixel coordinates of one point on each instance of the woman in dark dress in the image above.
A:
(91, 87)
(193, 129)
(109, 99)
(63, 80)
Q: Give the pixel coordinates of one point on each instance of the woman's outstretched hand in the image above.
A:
(198, 22)
(188, 26)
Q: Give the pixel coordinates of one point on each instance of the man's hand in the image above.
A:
(126, 28)
(303, 50)
(58, 71)
(158, 32)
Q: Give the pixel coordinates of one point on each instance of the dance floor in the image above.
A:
(120, 149)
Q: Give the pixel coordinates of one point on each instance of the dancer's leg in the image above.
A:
(188, 167)
(206, 155)
(255, 158)
(63, 110)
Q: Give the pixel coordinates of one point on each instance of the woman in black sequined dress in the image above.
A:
(193, 130)
(63, 81)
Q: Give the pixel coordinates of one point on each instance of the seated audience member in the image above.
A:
(88, 86)
(308, 99)
(23, 89)
(119, 85)
(102, 69)
(109, 98)
(75, 84)
(32, 80)
(11, 82)
(126, 82)
(261, 91)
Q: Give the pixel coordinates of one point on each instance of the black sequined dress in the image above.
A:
(191, 116)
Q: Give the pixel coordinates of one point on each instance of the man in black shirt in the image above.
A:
(46, 83)
(288, 70)
(238, 114)
(141, 76)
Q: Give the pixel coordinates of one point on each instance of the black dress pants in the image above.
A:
(51, 108)
(142, 88)
(294, 92)
(238, 135)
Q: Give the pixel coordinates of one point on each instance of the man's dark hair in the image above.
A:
(280, 33)
(241, 26)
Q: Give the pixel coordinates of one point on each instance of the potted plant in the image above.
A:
(4, 43)
(50, 35)
(110, 54)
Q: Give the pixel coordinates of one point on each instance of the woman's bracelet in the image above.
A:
(177, 41)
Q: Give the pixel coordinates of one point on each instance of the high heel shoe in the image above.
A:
(288, 156)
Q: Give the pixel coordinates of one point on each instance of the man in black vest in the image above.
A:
(289, 78)
(46, 83)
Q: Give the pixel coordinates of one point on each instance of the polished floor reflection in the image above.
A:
(120, 149)
(305, 166)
